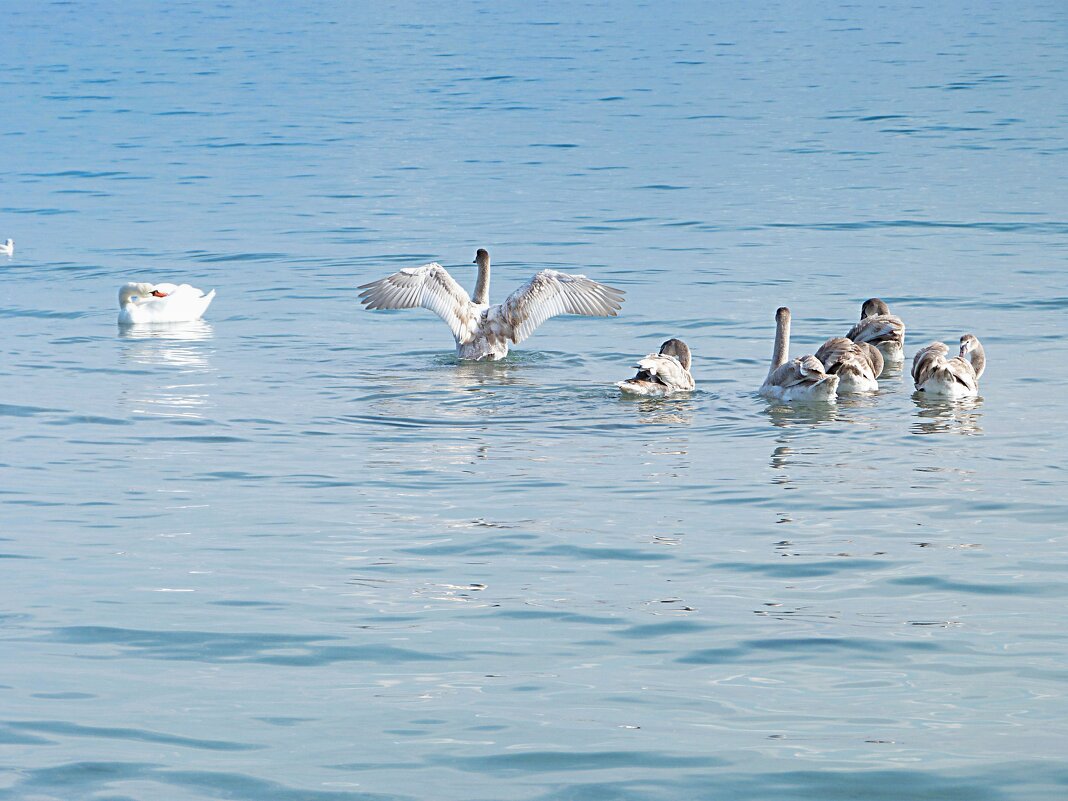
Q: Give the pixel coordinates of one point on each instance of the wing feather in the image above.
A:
(666, 370)
(927, 360)
(878, 328)
(428, 287)
(834, 350)
(842, 356)
(802, 370)
(550, 294)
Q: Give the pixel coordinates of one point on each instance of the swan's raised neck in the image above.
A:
(679, 349)
(134, 290)
(482, 259)
(873, 307)
(782, 338)
(971, 350)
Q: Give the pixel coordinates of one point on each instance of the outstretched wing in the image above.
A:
(879, 328)
(666, 370)
(428, 287)
(549, 294)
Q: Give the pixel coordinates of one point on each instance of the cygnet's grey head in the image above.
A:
(481, 257)
(872, 307)
(679, 349)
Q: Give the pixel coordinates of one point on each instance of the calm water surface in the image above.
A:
(296, 552)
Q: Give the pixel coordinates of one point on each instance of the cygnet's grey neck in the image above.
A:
(975, 355)
(782, 338)
(679, 349)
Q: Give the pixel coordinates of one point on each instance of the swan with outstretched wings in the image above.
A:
(482, 331)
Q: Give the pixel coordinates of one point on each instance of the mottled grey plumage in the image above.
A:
(662, 373)
(801, 379)
(880, 328)
(958, 377)
(853, 364)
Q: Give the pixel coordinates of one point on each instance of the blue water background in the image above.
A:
(297, 553)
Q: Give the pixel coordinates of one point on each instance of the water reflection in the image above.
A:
(169, 350)
(469, 375)
(661, 411)
(945, 416)
(794, 421)
(168, 343)
(807, 415)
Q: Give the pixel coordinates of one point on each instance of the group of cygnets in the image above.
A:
(853, 364)
(842, 365)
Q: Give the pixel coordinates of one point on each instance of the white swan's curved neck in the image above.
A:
(482, 285)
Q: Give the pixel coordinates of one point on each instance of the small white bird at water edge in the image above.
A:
(8, 248)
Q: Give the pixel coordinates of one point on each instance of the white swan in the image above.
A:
(882, 329)
(958, 377)
(857, 365)
(482, 331)
(662, 373)
(802, 379)
(161, 303)
(8, 248)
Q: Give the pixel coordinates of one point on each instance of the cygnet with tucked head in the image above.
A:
(662, 373)
(880, 328)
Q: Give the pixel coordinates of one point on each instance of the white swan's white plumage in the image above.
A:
(802, 379)
(161, 303)
(857, 365)
(8, 248)
(662, 373)
(482, 331)
(882, 329)
(958, 377)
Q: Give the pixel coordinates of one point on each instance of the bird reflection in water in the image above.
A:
(946, 416)
(171, 349)
(661, 411)
(665, 454)
(467, 375)
(168, 343)
(793, 420)
(802, 415)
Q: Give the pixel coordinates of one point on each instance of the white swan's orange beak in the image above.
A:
(157, 294)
